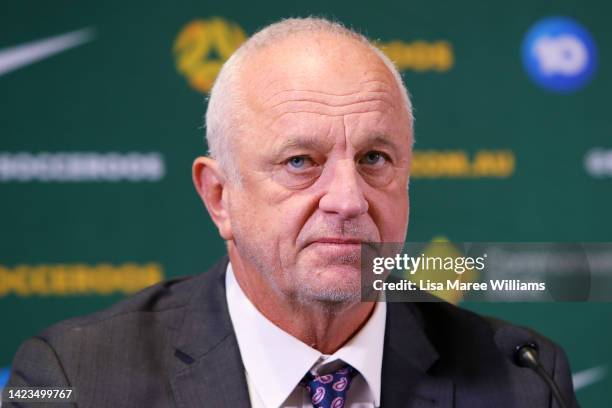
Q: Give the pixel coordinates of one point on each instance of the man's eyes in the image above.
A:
(302, 162)
(301, 171)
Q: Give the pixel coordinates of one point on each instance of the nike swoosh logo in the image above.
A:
(19, 56)
(585, 378)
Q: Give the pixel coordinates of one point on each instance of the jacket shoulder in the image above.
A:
(163, 296)
(472, 351)
(160, 303)
(443, 319)
(133, 339)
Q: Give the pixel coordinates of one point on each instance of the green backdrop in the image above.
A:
(499, 158)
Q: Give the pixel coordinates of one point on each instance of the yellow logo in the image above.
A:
(204, 45)
(436, 164)
(420, 56)
(77, 279)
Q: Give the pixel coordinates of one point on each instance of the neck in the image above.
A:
(323, 326)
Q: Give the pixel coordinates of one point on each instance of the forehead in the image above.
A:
(316, 66)
(326, 87)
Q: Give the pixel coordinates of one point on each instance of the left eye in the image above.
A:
(373, 158)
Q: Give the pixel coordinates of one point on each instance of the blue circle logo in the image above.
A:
(559, 54)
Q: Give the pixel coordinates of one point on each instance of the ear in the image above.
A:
(209, 181)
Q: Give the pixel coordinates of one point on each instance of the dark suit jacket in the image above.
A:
(173, 345)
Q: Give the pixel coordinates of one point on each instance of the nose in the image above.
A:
(344, 195)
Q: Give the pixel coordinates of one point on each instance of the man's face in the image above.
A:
(324, 156)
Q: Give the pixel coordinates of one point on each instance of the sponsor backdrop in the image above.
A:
(102, 113)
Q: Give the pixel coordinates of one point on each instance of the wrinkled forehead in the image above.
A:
(316, 63)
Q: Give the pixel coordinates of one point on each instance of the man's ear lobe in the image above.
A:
(209, 182)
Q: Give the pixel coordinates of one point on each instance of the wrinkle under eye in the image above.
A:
(297, 172)
(375, 168)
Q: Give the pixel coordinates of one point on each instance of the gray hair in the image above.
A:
(226, 104)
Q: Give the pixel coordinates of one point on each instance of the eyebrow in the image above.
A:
(383, 140)
(302, 142)
(314, 143)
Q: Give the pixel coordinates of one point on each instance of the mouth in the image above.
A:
(336, 241)
(335, 251)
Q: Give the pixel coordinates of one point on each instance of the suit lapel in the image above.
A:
(407, 357)
(208, 370)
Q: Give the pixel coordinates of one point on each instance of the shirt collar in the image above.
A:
(276, 362)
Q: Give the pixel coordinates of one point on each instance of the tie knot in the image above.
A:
(329, 390)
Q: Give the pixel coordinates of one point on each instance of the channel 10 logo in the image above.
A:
(559, 54)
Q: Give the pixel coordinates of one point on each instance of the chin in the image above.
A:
(330, 296)
(331, 284)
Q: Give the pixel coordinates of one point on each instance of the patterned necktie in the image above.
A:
(329, 390)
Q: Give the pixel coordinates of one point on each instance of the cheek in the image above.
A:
(271, 218)
(390, 213)
(250, 218)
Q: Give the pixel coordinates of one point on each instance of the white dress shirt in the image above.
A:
(275, 362)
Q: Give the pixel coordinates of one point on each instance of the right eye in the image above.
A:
(299, 163)
(298, 172)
